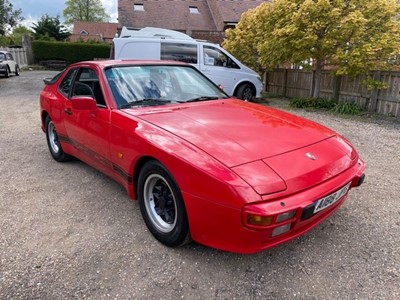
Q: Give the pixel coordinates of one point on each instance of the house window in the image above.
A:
(84, 32)
(138, 7)
(194, 10)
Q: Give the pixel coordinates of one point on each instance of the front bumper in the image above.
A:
(226, 229)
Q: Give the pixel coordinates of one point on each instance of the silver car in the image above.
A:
(7, 64)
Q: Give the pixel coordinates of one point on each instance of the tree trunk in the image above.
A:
(318, 76)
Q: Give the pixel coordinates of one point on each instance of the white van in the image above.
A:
(212, 60)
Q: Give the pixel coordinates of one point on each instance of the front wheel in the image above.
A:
(162, 206)
(17, 70)
(53, 142)
(246, 92)
(7, 72)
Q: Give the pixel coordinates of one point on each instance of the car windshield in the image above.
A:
(2, 56)
(148, 85)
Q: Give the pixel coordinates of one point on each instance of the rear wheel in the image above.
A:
(162, 206)
(246, 92)
(7, 73)
(53, 142)
(17, 70)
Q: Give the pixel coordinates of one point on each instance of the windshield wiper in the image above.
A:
(204, 98)
(144, 102)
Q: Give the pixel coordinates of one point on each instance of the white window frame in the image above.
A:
(194, 10)
(138, 7)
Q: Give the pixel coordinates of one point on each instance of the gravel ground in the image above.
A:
(68, 232)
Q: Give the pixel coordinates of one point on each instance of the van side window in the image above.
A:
(215, 57)
(179, 51)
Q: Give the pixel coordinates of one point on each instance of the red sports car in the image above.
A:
(226, 173)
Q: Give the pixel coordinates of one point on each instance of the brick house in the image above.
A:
(201, 19)
(94, 31)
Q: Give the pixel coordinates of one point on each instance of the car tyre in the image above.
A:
(53, 142)
(7, 72)
(162, 206)
(17, 70)
(246, 92)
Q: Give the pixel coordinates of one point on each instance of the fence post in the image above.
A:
(312, 84)
(284, 86)
(27, 44)
(337, 80)
(375, 93)
(265, 81)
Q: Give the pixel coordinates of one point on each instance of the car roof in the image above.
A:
(3, 51)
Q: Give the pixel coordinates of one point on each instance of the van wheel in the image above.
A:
(246, 92)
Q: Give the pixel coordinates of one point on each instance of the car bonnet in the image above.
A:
(236, 132)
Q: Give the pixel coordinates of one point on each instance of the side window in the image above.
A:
(87, 84)
(65, 85)
(180, 52)
(215, 57)
(9, 56)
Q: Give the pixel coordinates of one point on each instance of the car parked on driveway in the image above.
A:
(229, 174)
(8, 65)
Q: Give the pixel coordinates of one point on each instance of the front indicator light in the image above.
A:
(285, 216)
(259, 220)
(280, 230)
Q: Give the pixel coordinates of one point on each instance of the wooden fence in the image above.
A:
(298, 83)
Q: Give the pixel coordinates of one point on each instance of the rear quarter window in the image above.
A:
(180, 52)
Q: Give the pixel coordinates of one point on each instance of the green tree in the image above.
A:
(15, 37)
(84, 11)
(50, 28)
(8, 16)
(351, 36)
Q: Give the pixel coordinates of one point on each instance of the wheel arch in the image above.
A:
(43, 116)
(136, 171)
(242, 84)
(7, 71)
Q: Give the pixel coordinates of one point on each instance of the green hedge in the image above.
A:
(69, 52)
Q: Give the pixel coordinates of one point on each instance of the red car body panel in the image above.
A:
(235, 126)
(229, 158)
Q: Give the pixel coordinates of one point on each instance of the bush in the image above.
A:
(347, 108)
(69, 52)
(320, 103)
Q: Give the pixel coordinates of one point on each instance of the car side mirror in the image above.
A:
(83, 103)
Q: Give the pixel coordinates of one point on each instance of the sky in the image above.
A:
(33, 10)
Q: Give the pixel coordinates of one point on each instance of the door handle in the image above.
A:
(68, 111)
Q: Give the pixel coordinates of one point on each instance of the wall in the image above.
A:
(298, 83)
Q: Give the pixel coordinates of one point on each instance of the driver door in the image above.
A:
(88, 130)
